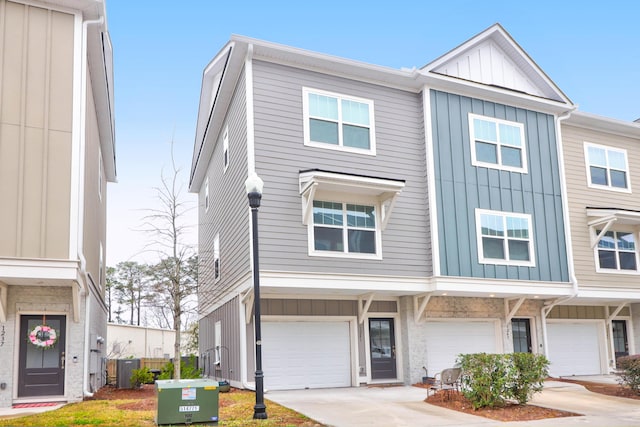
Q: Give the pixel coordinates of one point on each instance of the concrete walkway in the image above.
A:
(404, 407)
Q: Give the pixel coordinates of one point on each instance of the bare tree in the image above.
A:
(109, 291)
(173, 278)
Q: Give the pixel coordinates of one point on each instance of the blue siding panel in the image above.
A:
(462, 187)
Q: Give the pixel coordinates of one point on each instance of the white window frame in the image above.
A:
(217, 348)
(101, 267)
(345, 229)
(340, 147)
(216, 258)
(99, 173)
(617, 251)
(505, 238)
(607, 149)
(206, 195)
(499, 165)
(225, 149)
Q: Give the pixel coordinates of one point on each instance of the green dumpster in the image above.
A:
(187, 401)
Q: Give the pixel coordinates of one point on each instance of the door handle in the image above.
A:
(62, 359)
(393, 351)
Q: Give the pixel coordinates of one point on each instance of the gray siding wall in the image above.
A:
(281, 154)
(228, 213)
(229, 319)
(462, 187)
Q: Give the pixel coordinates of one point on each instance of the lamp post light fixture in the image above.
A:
(254, 185)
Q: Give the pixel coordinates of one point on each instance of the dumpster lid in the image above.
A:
(182, 383)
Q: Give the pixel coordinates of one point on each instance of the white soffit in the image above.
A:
(493, 58)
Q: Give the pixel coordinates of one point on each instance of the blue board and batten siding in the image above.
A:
(281, 154)
(462, 187)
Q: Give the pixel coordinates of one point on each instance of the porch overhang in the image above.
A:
(316, 183)
(36, 272)
(602, 219)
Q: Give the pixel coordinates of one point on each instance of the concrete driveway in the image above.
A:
(405, 407)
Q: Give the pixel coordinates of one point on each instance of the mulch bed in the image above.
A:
(509, 412)
(615, 390)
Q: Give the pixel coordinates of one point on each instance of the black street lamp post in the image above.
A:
(254, 186)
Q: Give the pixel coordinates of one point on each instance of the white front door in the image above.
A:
(299, 355)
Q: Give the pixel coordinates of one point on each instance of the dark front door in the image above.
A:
(521, 331)
(41, 369)
(620, 343)
(383, 349)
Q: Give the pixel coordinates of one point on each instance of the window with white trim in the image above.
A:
(217, 336)
(99, 173)
(338, 121)
(617, 250)
(504, 238)
(206, 195)
(225, 149)
(101, 267)
(216, 257)
(607, 167)
(497, 144)
(344, 228)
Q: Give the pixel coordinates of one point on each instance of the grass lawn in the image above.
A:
(235, 409)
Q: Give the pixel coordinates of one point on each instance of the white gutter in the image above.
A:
(251, 166)
(546, 309)
(81, 163)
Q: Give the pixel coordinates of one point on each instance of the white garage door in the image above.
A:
(574, 348)
(298, 355)
(446, 340)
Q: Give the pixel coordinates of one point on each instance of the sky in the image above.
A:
(589, 49)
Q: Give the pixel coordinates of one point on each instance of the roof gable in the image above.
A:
(493, 58)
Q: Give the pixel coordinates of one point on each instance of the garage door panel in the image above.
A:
(574, 348)
(300, 355)
(446, 340)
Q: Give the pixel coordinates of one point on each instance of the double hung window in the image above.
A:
(607, 167)
(497, 144)
(338, 122)
(344, 228)
(617, 251)
(504, 238)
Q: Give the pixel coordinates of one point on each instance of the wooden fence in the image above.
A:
(151, 363)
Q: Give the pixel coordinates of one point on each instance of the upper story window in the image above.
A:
(216, 257)
(607, 167)
(344, 228)
(206, 195)
(497, 144)
(99, 173)
(504, 238)
(225, 149)
(346, 214)
(338, 122)
(617, 251)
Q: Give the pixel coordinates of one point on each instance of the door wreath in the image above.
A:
(43, 336)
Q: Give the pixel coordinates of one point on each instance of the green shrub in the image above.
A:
(141, 376)
(490, 379)
(528, 374)
(629, 372)
(484, 379)
(188, 370)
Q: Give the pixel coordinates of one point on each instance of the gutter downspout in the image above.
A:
(546, 309)
(83, 261)
(251, 166)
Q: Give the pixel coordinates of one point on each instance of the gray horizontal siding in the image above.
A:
(281, 154)
(228, 316)
(320, 307)
(228, 212)
(462, 187)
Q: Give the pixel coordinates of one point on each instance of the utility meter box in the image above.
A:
(187, 401)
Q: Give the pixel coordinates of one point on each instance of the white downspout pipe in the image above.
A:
(83, 261)
(546, 309)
